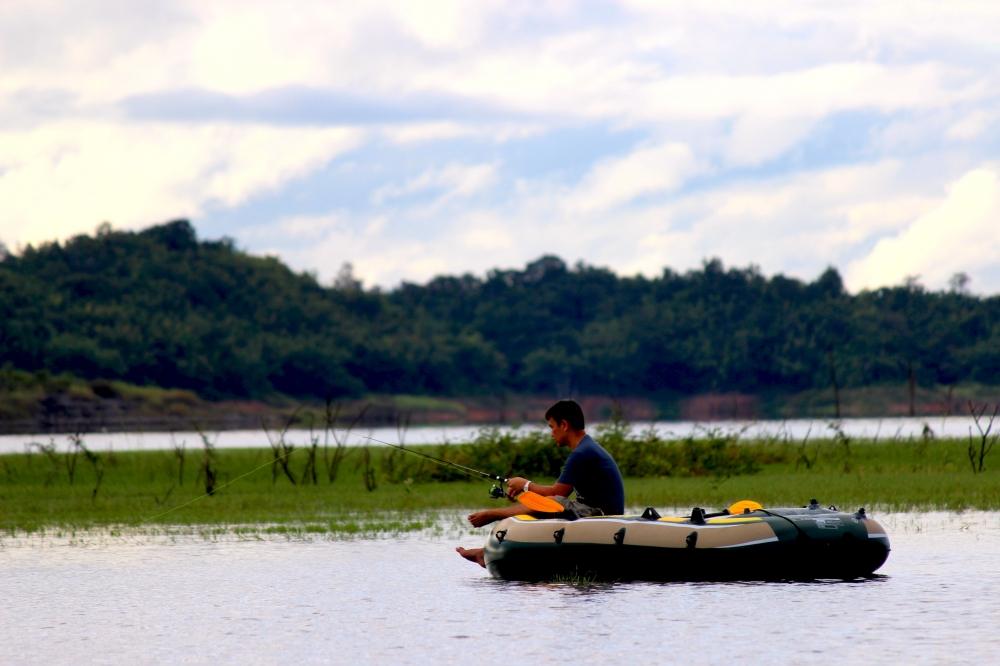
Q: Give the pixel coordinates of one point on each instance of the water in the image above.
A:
(411, 599)
(886, 428)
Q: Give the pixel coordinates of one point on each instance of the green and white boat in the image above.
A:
(745, 542)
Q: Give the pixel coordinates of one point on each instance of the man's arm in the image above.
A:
(487, 516)
(516, 486)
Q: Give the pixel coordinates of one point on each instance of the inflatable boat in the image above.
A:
(749, 543)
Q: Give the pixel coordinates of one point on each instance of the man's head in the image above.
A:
(565, 419)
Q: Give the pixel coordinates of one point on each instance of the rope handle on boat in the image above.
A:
(791, 522)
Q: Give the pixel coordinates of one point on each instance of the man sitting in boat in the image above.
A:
(589, 470)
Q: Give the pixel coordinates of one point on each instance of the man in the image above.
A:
(589, 470)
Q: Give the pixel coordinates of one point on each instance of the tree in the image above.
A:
(912, 283)
(959, 283)
(345, 280)
(162, 307)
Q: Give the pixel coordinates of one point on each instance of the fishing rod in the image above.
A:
(496, 492)
(527, 498)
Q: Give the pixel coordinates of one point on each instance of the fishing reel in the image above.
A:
(496, 492)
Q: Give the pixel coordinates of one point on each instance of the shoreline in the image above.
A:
(886, 429)
(77, 489)
(87, 407)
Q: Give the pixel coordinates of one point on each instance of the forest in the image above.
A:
(161, 307)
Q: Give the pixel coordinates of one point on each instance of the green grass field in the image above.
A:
(383, 488)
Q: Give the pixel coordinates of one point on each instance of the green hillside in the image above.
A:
(162, 308)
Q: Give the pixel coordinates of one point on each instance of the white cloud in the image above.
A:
(712, 95)
(961, 234)
(378, 258)
(420, 132)
(652, 61)
(756, 139)
(871, 26)
(645, 171)
(971, 126)
(482, 231)
(441, 24)
(67, 177)
(810, 92)
(308, 227)
(795, 225)
(451, 180)
(425, 132)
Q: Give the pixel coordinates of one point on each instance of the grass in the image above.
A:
(151, 490)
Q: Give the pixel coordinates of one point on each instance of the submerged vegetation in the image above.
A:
(330, 488)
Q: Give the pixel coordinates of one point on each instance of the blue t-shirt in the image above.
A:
(594, 475)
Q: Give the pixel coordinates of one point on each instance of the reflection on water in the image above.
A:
(410, 599)
(797, 429)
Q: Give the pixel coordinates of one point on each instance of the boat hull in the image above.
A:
(779, 544)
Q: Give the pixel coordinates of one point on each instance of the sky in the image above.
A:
(414, 139)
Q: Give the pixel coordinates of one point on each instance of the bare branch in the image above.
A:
(978, 458)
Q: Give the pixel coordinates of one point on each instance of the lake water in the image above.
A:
(94, 598)
(886, 428)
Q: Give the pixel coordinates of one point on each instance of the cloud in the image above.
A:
(797, 225)
(645, 171)
(29, 107)
(302, 105)
(735, 222)
(67, 177)
(378, 256)
(960, 234)
(971, 126)
(756, 139)
(426, 132)
(451, 181)
(483, 232)
(791, 135)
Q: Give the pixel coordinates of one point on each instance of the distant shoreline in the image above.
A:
(82, 408)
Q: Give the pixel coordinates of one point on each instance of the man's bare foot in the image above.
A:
(473, 555)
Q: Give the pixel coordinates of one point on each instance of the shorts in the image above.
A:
(575, 509)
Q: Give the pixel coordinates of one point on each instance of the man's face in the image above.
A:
(559, 431)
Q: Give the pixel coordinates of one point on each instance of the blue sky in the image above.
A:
(414, 139)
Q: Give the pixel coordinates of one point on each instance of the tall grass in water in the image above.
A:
(236, 486)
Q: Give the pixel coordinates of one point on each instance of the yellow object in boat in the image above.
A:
(743, 505)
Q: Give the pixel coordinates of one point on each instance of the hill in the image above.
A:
(162, 308)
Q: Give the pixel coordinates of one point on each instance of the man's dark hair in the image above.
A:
(566, 410)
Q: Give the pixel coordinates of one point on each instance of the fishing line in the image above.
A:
(534, 500)
(468, 470)
(495, 492)
(527, 498)
(215, 490)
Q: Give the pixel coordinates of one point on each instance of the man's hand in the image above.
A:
(484, 517)
(515, 486)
